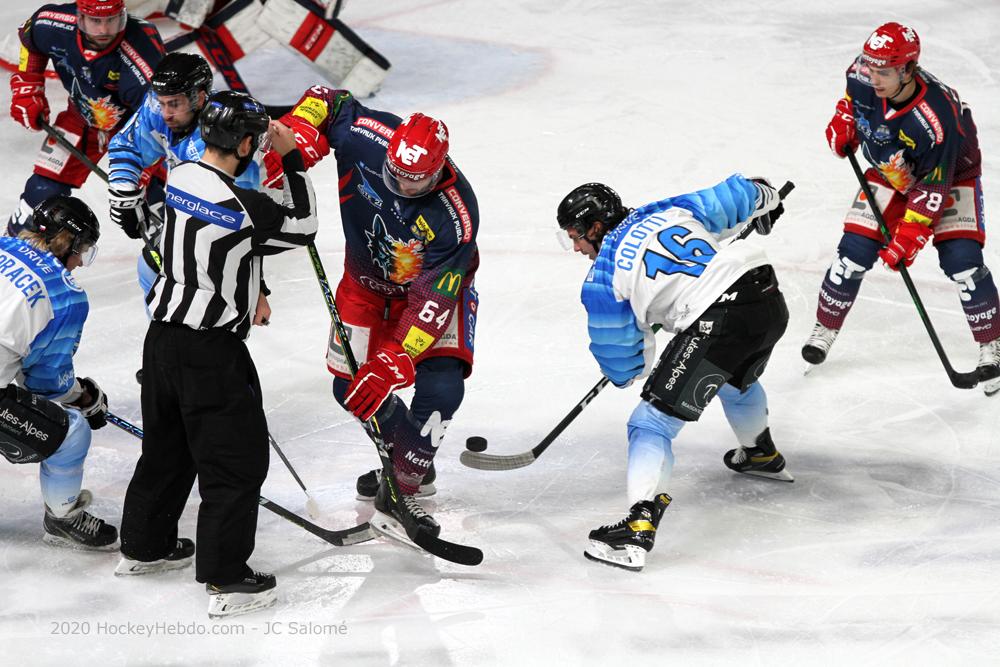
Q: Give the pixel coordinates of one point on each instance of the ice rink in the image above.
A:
(885, 550)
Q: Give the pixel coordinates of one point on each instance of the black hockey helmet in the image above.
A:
(229, 116)
(63, 212)
(590, 203)
(182, 73)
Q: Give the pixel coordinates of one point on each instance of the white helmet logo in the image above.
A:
(441, 135)
(410, 154)
(909, 35)
(877, 41)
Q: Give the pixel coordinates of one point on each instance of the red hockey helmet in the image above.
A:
(891, 45)
(415, 156)
(100, 8)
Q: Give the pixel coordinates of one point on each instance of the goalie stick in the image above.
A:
(960, 380)
(483, 461)
(450, 551)
(340, 538)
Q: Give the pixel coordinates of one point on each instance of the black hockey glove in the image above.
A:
(129, 210)
(96, 408)
(768, 206)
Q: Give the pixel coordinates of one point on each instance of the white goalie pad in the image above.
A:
(189, 12)
(238, 26)
(311, 35)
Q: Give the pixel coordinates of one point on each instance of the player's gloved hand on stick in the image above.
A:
(129, 210)
(909, 238)
(389, 369)
(841, 133)
(769, 206)
(93, 404)
(28, 105)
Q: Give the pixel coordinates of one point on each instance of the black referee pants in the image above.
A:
(202, 416)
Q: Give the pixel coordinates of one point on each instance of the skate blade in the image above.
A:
(227, 605)
(66, 543)
(991, 387)
(127, 567)
(783, 476)
(631, 558)
(386, 526)
(424, 491)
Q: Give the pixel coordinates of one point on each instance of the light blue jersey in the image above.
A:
(42, 311)
(146, 139)
(664, 265)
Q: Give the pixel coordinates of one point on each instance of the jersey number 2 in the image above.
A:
(689, 258)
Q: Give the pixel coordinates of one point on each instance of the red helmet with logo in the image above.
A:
(415, 155)
(101, 8)
(891, 45)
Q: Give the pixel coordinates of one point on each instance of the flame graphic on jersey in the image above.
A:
(897, 172)
(101, 113)
(400, 261)
(409, 260)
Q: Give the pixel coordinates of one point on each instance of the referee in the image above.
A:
(201, 397)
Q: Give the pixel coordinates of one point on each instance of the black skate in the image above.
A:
(401, 518)
(819, 344)
(625, 544)
(180, 557)
(368, 484)
(989, 366)
(762, 460)
(255, 591)
(80, 529)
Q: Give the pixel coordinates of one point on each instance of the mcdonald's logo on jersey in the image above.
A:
(449, 282)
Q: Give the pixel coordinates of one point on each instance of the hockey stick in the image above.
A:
(339, 538)
(312, 507)
(961, 380)
(450, 551)
(483, 461)
(61, 139)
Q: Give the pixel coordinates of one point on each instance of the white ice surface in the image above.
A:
(884, 551)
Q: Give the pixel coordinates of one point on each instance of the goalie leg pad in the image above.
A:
(31, 427)
(335, 49)
(237, 27)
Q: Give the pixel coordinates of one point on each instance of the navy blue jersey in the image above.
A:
(423, 249)
(921, 149)
(107, 86)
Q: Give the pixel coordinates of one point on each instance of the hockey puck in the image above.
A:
(476, 444)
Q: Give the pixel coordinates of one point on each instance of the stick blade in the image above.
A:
(483, 461)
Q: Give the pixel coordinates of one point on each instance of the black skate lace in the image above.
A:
(86, 523)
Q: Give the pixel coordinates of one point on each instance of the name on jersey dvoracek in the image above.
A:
(204, 210)
(21, 277)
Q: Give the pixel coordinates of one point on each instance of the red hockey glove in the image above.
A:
(28, 105)
(840, 133)
(389, 370)
(909, 238)
(313, 145)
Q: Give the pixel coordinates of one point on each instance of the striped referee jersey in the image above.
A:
(214, 236)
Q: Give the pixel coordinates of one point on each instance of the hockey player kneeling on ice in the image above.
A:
(662, 264)
(201, 398)
(42, 311)
(104, 59)
(407, 297)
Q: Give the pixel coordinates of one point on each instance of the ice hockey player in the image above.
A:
(202, 407)
(47, 417)
(662, 264)
(407, 298)
(164, 128)
(104, 59)
(922, 143)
